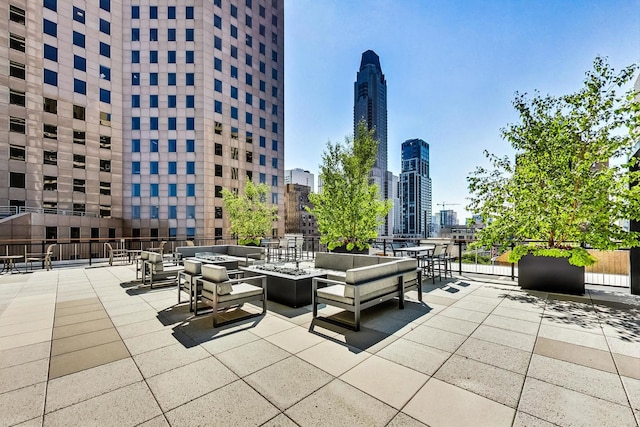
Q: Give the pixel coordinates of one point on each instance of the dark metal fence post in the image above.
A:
(460, 257)
(513, 265)
(90, 252)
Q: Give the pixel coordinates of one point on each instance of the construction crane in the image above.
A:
(443, 204)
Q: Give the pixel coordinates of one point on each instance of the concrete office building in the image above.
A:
(128, 118)
(370, 105)
(296, 218)
(415, 189)
(299, 176)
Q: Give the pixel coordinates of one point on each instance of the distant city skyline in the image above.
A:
(452, 69)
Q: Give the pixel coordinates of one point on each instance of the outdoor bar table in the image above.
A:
(9, 263)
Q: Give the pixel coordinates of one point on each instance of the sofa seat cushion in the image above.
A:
(224, 288)
(372, 289)
(192, 267)
(214, 273)
(238, 290)
(254, 252)
(406, 264)
(335, 293)
(154, 257)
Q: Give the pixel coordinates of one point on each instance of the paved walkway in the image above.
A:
(86, 346)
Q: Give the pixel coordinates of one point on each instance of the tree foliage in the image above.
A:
(570, 181)
(349, 209)
(250, 215)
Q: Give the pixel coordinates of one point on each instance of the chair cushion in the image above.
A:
(238, 290)
(365, 274)
(155, 257)
(364, 260)
(214, 273)
(337, 275)
(335, 293)
(144, 255)
(224, 288)
(332, 261)
(192, 267)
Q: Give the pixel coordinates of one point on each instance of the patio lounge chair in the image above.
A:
(45, 258)
(121, 255)
(218, 291)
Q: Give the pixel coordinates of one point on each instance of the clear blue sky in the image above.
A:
(452, 69)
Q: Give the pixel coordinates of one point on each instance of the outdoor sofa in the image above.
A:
(357, 282)
(154, 268)
(245, 255)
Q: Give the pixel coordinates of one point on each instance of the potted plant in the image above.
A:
(349, 209)
(250, 216)
(571, 184)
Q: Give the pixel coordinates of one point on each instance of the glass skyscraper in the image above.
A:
(415, 189)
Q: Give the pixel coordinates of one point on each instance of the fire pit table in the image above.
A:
(287, 285)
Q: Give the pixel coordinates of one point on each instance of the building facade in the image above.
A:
(299, 176)
(370, 105)
(129, 118)
(296, 218)
(415, 189)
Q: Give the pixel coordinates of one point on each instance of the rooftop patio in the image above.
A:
(88, 346)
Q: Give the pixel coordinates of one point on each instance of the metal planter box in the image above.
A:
(550, 274)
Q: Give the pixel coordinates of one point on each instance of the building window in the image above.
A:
(217, 107)
(171, 34)
(50, 183)
(249, 138)
(218, 149)
(78, 39)
(191, 123)
(79, 185)
(218, 191)
(135, 79)
(173, 212)
(217, 43)
(217, 64)
(135, 12)
(263, 48)
(172, 168)
(274, 145)
(218, 212)
(171, 12)
(217, 85)
(153, 12)
(274, 127)
(105, 73)
(172, 101)
(191, 168)
(234, 11)
(105, 118)
(263, 141)
(17, 15)
(154, 190)
(234, 31)
(135, 34)
(189, 12)
(191, 212)
(105, 96)
(153, 123)
(153, 168)
(190, 101)
(274, 74)
(17, 152)
(135, 212)
(191, 190)
(263, 178)
(50, 105)
(105, 142)
(249, 157)
(153, 101)
(105, 26)
(173, 190)
(135, 101)
(234, 112)
(153, 79)
(234, 52)
(105, 165)
(153, 146)
(274, 180)
(105, 211)
(234, 72)
(79, 161)
(79, 86)
(17, 69)
(190, 79)
(135, 190)
(79, 63)
(105, 188)
(171, 79)
(263, 160)
(190, 57)
(274, 162)
(16, 180)
(17, 98)
(105, 50)
(218, 128)
(173, 146)
(234, 132)
(189, 34)
(50, 158)
(135, 168)
(79, 137)
(171, 58)
(173, 123)
(49, 27)
(17, 125)
(217, 21)
(135, 56)
(263, 104)
(17, 42)
(105, 5)
(218, 170)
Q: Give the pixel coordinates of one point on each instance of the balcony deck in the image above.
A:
(86, 346)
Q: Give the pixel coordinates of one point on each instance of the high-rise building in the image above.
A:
(415, 189)
(296, 218)
(448, 218)
(370, 105)
(132, 116)
(299, 176)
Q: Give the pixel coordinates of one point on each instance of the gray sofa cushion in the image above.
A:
(364, 260)
(254, 252)
(332, 261)
(154, 257)
(335, 293)
(214, 273)
(366, 274)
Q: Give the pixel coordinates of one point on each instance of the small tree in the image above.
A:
(250, 216)
(349, 209)
(562, 189)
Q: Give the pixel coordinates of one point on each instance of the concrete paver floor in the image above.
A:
(88, 346)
